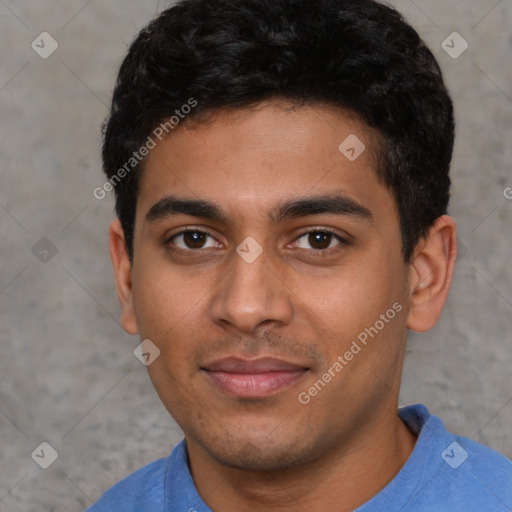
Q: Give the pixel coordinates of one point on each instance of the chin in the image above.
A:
(254, 457)
(259, 453)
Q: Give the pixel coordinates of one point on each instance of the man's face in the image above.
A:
(215, 312)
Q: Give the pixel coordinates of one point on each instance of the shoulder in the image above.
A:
(472, 477)
(492, 469)
(164, 484)
(142, 490)
(461, 474)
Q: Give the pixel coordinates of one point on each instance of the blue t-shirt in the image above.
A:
(444, 473)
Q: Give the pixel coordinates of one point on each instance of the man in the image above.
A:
(281, 179)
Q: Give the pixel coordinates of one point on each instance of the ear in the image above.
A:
(430, 274)
(123, 273)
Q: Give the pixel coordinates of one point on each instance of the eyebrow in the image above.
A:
(335, 204)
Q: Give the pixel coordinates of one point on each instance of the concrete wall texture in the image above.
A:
(68, 373)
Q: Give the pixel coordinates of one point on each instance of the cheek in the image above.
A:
(166, 312)
(348, 300)
(163, 302)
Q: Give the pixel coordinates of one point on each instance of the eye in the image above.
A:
(320, 240)
(196, 239)
(191, 239)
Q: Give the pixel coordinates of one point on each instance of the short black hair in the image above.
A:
(359, 55)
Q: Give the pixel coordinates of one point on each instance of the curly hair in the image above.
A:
(359, 55)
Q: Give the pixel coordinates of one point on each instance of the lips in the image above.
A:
(254, 378)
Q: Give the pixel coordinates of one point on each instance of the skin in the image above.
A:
(293, 302)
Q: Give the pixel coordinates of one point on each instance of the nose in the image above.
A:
(251, 294)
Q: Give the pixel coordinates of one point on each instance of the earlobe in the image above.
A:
(431, 272)
(123, 274)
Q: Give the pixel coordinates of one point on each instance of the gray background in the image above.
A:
(68, 373)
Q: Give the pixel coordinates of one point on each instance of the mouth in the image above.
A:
(256, 378)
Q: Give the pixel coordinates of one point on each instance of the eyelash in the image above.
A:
(340, 239)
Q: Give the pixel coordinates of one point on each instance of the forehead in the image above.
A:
(254, 159)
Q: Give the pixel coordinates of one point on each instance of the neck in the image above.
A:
(343, 480)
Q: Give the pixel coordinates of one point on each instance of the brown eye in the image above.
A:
(319, 240)
(191, 239)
